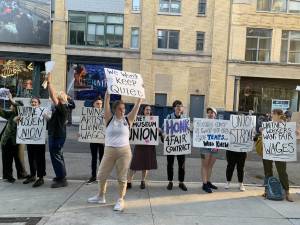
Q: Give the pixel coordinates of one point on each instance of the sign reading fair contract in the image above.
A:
(279, 141)
(31, 126)
(177, 139)
(124, 83)
(92, 126)
(144, 131)
(210, 133)
(242, 133)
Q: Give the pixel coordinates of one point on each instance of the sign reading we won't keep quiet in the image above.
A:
(124, 83)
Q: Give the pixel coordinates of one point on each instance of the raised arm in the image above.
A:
(51, 90)
(107, 110)
(132, 115)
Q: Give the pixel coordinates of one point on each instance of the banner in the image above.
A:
(92, 125)
(31, 128)
(144, 131)
(296, 118)
(211, 133)
(177, 140)
(242, 133)
(279, 141)
(124, 83)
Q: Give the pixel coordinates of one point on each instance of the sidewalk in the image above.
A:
(152, 206)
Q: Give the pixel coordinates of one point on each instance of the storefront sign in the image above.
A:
(280, 104)
(13, 67)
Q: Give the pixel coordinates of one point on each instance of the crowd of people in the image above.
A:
(116, 151)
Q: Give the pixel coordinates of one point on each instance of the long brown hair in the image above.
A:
(280, 113)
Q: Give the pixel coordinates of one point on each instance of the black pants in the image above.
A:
(235, 158)
(96, 149)
(181, 167)
(10, 153)
(37, 161)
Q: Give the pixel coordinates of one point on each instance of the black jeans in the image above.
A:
(37, 161)
(181, 167)
(10, 153)
(96, 149)
(57, 157)
(235, 158)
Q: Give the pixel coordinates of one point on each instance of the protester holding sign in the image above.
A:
(36, 156)
(144, 157)
(208, 156)
(57, 134)
(117, 151)
(278, 117)
(10, 149)
(96, 148)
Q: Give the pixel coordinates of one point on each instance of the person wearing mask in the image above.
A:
(177, 114)
(97, 149)
(117, 151)
(144, 158)
(57, 134)
(10, 149)
(208, 156)
(36, 156)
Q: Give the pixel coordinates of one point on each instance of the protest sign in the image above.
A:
(124, 83)
(177, 139)
(31, 128)
(242, 133)
(92, 125)
(49, 66)
(144, 131)
(279, 141)
(296, 118)
(4, 92)
(210, 133)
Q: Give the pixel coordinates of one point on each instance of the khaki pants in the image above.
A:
(119, 157)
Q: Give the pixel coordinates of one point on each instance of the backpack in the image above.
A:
(273, 189)
(259, 146)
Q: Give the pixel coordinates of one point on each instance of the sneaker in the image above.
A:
(227, 185)
(170, 185)
(97, 199)
(143, 185)
(206, 188)
(182, 186)
(38, 183)
(119, 206)
(59, 183)
(242, 187)
(29, 180)
(91, 180)
(11, 180)
(212, 186)
(23, 176)
(129, 186)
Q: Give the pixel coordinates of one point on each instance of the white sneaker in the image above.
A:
(119, 206)
(97, 199)
(227, 185)
(242, 187)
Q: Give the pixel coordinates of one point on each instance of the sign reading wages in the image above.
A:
(124, 83)
(279, 141)
(177, 139)
(210, 133)
(144, 131)
(31, 128)
(92, 126)
(242, 133)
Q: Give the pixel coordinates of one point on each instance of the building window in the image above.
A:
(202, 7)
(294, 6)
(135, 5)
(290, 47)
(291, 6)
(135, 33)
(170, 6)
(258, 45)
(104, 30)
(160, 99)
(168, 39)
(200, 41)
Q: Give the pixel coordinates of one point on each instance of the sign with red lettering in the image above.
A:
(124, 83)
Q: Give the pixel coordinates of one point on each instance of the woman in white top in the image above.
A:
(117, 150)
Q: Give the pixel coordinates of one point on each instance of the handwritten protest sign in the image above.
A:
(4, 92)
(144, 131)
(177, 139)
(210, 133)
(279, 141)
(92, 126)
(242, 133)
(124, 83)
(296, 118)
(31, 125)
